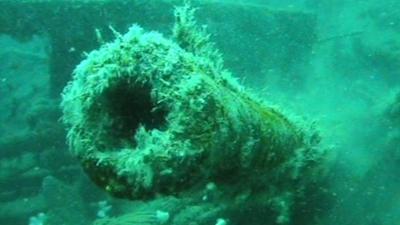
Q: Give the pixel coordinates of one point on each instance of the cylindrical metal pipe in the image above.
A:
(148, 115)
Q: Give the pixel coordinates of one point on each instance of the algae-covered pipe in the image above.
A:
(148, 114)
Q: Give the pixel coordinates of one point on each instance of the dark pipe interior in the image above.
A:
(129, 106)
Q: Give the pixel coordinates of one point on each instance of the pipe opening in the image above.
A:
(129, 105)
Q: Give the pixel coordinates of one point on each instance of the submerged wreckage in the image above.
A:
(151, 115)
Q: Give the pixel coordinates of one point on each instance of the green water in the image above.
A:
(329, 65)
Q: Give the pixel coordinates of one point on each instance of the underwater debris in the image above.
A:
(39, 219)
(135, 218)
(149, 115)
(221, 221)
(103, 209)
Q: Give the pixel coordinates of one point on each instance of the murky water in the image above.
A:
(319, 145)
